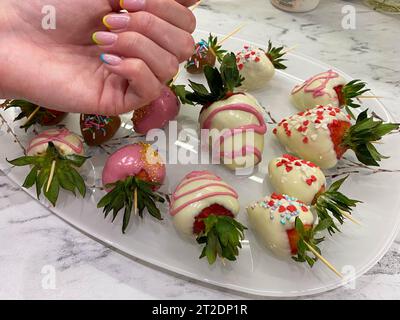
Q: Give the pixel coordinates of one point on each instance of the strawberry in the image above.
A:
(97, 129)
(214, 209)
(330, 126)
(35, 114)
(132, 175)
(206, 53)
(54, 157)
(347, 94)
(294, 238)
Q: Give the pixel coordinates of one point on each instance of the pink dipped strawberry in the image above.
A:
(205, 206)
(132, 175)
(323, 134)
(35, 114)
(54, 156)
(161, 111)
(328, 88)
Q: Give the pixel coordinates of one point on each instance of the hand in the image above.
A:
(61, 69)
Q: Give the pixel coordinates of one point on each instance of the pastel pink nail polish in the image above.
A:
(116, 21)
(133, 5)
(103, 38)
(110, 59)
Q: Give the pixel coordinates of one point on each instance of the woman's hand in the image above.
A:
(62, 69)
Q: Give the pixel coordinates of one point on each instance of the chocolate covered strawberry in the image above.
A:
(206, 53)
(287, 227)
(205, 206)
(132, 175)
(257, 66)
(328, 88)
(161, 111)
(323, 134)
(35, 114)
(306, 182)
(97, 129)
(234, 119)
(54, 157)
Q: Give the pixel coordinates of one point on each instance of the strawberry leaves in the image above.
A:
(222, 237)
(122, 196)
(350, 92)
(275, 54)
(220, 82)
(361, 136)
(51, 172)
(307, 237)
(334, 204)
(34, 114)
(216, 49)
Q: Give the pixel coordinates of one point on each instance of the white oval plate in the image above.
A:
(256, 271)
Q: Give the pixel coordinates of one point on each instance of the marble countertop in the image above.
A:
(34, 242)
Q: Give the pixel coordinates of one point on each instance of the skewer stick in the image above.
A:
(348, 216)
(135, 201)
(370, 97)
(223, 262)
(290, 49)
(32, 115)
(53, 167)
(326, 262)
(231, 34)
(193, 7)
(176, 77)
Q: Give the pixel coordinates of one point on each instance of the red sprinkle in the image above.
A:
(305, 209)
(291, 208)
(289, 168)
(282, 209)
(275, 131)
(305, 140)
(257, 59)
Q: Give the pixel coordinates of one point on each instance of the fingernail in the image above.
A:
(110, 59)
(133, 5)
(116, 21)
(103, 38)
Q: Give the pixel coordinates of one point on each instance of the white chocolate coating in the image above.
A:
(256, 68)
(311, 142)
(318, 90)
(241, 118)
(66, 142)
(295, 177)
(271, 224)
(197, 191)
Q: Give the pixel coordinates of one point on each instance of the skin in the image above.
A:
(61, 68)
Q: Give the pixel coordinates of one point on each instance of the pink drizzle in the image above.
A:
(198, 176)
(261, 128)
(59, 137)
(319, 91)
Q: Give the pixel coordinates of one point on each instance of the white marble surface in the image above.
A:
(32, 238)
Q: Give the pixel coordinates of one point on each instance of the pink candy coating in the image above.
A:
(159, 112)
(130, 161)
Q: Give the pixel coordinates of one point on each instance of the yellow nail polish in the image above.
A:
(105, 22)
(94, 39)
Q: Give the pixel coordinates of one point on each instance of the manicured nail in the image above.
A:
(116, 21)
(110, 59)
(103, 38)
(133, 5)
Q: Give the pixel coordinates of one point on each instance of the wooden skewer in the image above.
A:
(135, 201)
(290, 49)
(370, 97)
(176, 77)
(348, 216)
(326, 262)
(53, 167)
(223, 262)
(32, 115)
(231, 34)
(193, 7)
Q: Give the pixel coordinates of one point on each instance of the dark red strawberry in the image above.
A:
(294, 238)
(35, 114)
(338, 130)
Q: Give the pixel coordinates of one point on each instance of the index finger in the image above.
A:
(168, 10)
